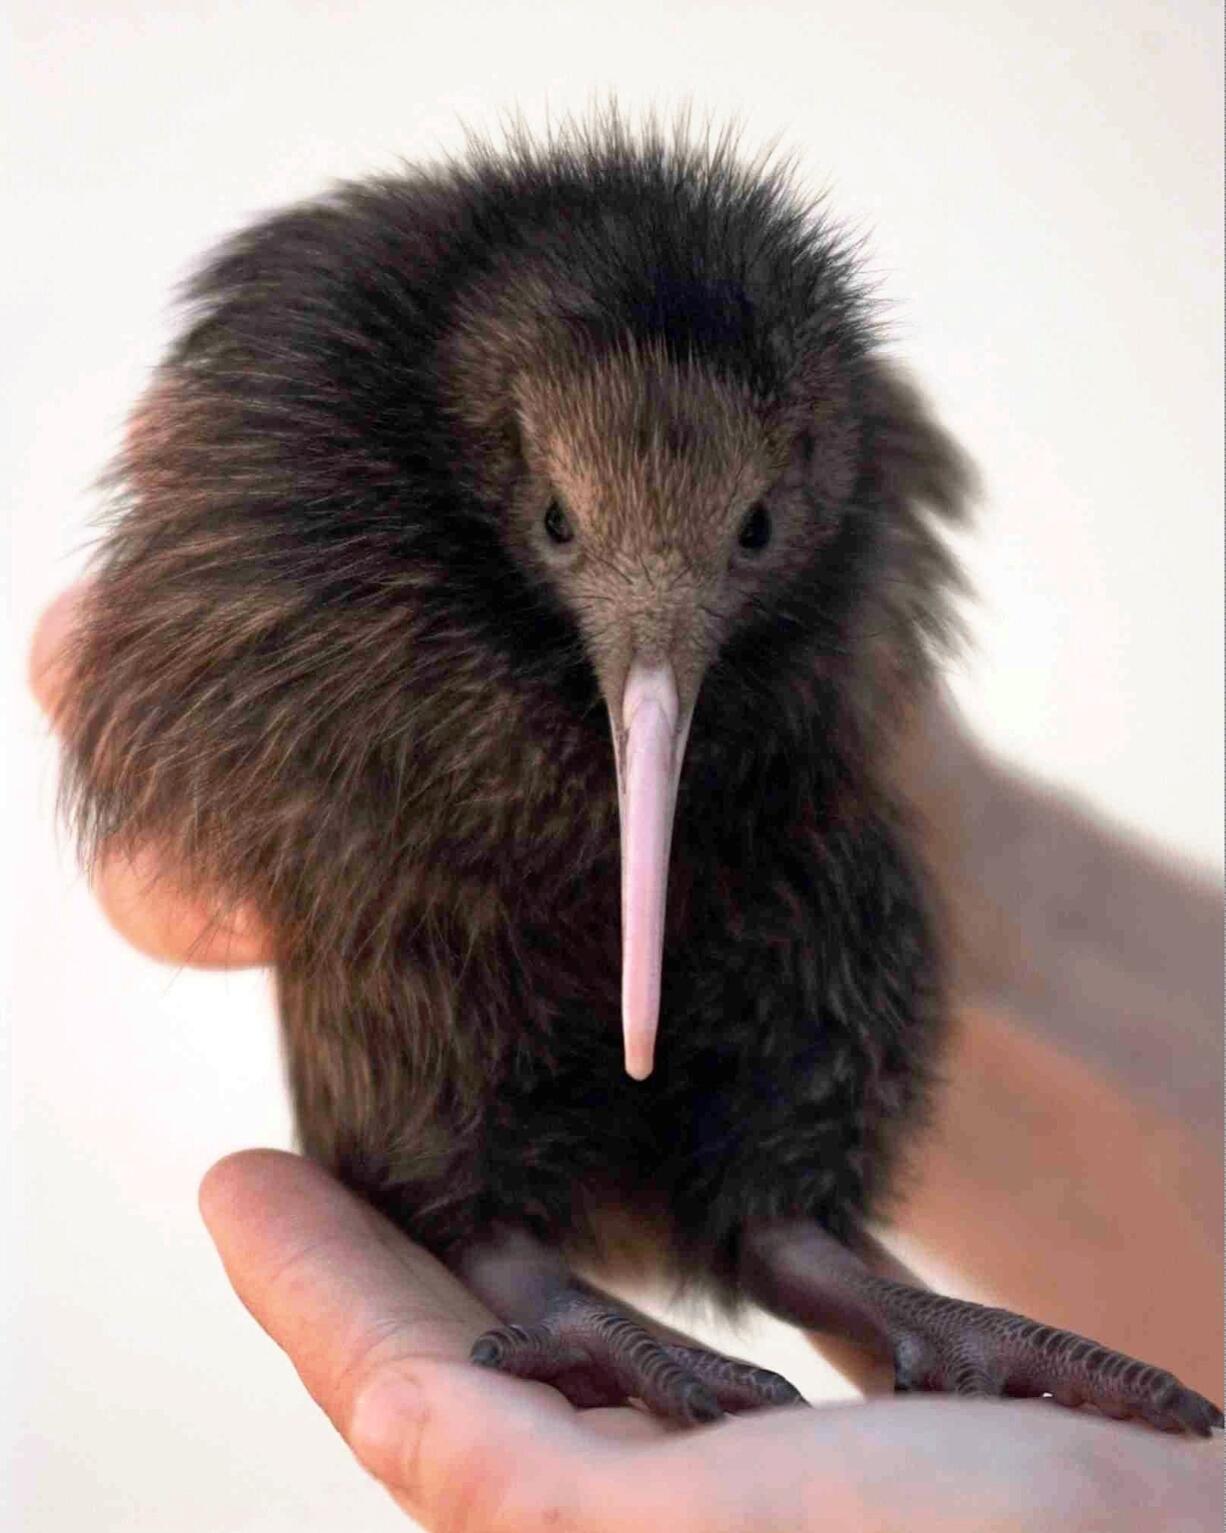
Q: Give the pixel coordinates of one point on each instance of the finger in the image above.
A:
(379, 1332)
(138, 893)
(143, 900)
(47, 664)
(324, 1273)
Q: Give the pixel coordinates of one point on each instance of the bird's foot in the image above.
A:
(962, 1348)
(596, 1356)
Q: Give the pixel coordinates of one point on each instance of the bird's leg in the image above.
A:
(804, 1275)
(597, 1350)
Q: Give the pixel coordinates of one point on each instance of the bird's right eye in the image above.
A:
(755, 531)
(557, 524)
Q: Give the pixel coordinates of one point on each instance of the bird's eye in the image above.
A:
(557, 524)
(755, 531)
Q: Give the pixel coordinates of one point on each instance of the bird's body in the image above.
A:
(475, 514)
(756, 1107)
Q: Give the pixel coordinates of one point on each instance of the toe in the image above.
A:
(1158, 1397)
(528, 1352)
(736, 1385)
(494, 1348)
(950, 1344)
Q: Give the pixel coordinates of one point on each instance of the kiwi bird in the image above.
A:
(521, 573)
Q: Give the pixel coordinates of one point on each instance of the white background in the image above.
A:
(1041, 187)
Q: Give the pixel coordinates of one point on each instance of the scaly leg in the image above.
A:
(595, 1350)
(802, 1274)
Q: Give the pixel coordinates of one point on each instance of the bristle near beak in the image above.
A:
(650, 745)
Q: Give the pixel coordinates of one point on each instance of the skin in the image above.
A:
(379, 1331)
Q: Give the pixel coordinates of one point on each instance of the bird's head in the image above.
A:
(666, 507)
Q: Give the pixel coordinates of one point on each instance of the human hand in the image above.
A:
(379, 1333)
(144, 899)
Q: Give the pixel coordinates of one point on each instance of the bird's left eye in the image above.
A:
(557, 524)
(755, 531)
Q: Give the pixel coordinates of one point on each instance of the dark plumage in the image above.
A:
(439, 465)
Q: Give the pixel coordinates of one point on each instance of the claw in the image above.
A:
(1182, 1410)
(486, 1352)
(700, 1405)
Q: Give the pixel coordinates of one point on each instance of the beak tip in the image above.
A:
(639, 1040)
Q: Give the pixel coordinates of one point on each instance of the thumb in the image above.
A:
(379, 1332)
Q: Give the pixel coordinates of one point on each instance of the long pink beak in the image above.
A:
(649, 746)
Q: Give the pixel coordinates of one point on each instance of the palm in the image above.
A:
(380, 1331)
